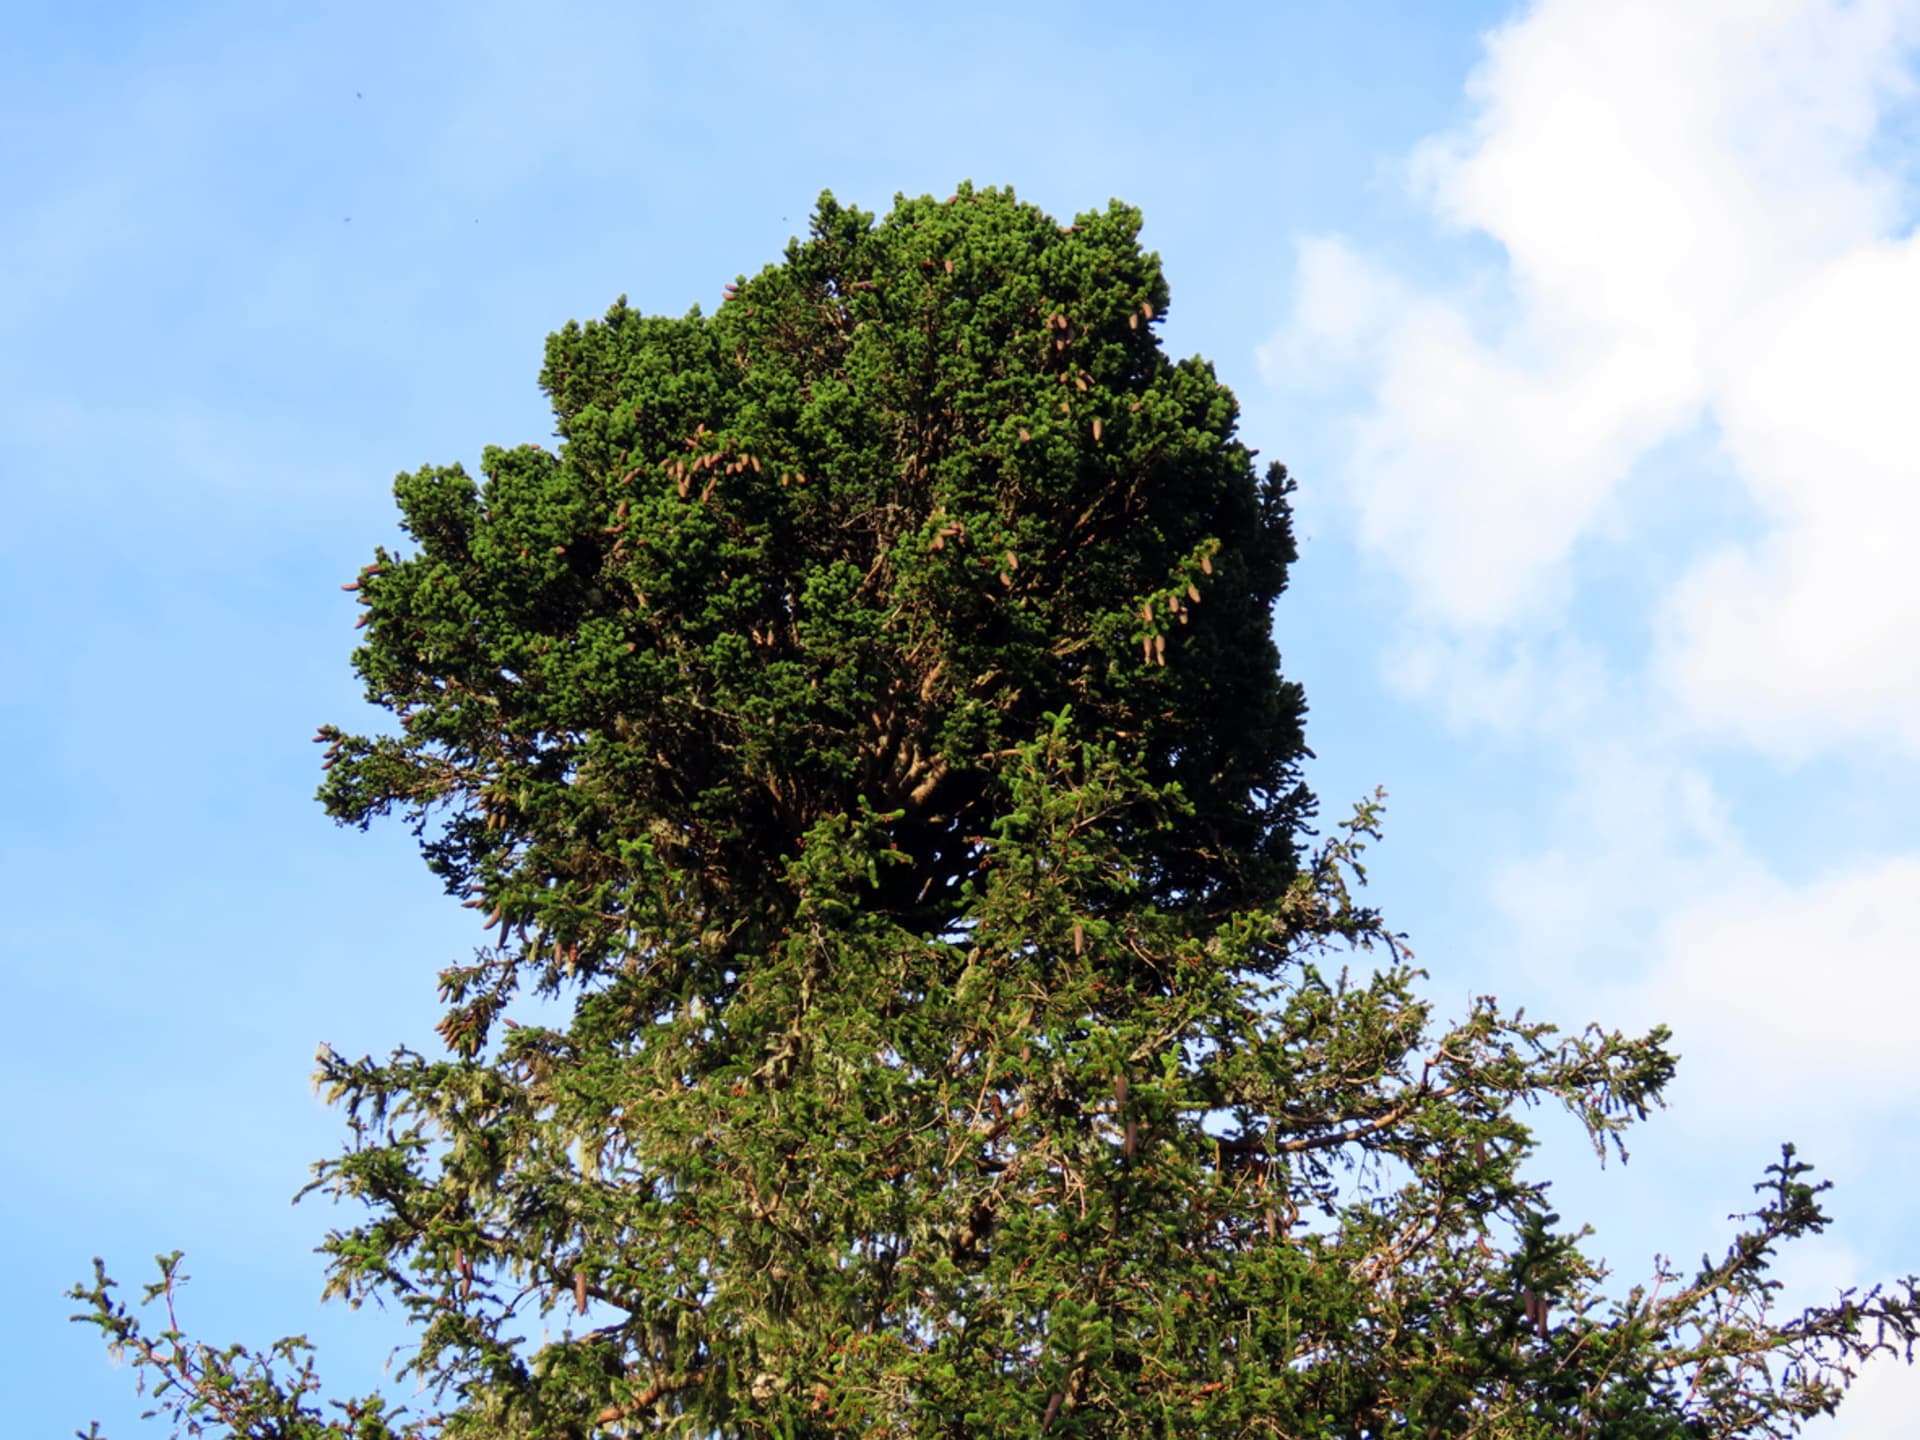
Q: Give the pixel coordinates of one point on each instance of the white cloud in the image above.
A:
(1696, 227)
(1638, 835)
(1880, 1405)
(1512, 686)
(1346, 307)
(1790, 994)
(1883, 1400)
(1791, 998)
(1701, 232)
(1810, 635)
(1794, 992)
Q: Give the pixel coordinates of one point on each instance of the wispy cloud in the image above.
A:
(1700, 228)
(1798, 983)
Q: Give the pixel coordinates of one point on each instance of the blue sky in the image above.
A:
(1590, 328)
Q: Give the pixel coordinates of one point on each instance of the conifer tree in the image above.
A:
(867, 726)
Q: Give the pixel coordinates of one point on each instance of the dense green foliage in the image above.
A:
(868, 723)
(851, 537)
